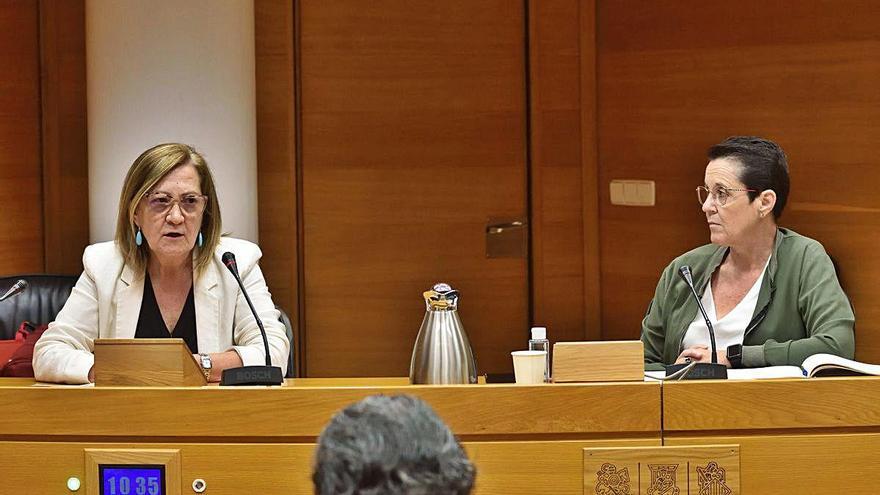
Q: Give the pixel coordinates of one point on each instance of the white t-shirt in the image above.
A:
(729, 330)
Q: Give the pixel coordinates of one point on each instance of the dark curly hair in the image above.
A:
(389, 445)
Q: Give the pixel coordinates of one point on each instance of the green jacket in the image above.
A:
(801, 307)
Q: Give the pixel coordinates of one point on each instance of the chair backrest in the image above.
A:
(288, 327)
(38, 304)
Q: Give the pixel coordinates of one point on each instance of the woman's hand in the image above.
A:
(701, 354)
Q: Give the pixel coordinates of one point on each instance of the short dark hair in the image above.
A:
(390, 445)
(764, 166)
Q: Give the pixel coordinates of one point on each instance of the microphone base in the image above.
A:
(700, 371)
(252, 375)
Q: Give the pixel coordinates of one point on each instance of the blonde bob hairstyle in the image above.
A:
(146, 171)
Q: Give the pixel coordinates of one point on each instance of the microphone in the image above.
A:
(711, 370)
(250, 375)
(20, 286)
(685, 274)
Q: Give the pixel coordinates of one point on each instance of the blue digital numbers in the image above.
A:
(129, 479)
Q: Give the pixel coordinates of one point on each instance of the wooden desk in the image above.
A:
(242, 441)
(815, 436)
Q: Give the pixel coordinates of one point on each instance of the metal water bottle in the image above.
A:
(442, 352)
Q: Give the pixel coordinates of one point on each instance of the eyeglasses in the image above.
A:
(160, 203)
(720, 195)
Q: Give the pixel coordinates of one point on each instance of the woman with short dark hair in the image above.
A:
(771, 294)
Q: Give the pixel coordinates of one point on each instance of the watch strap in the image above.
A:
(734, 355)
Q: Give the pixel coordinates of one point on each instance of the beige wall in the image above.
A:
(165, 70)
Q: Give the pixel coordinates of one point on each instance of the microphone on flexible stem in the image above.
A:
(250, 375)
(15, 290)
(700, 371)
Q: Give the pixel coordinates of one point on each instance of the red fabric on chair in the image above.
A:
(8, 347)
(18, 362)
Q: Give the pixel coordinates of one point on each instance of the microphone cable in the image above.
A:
(678, 375)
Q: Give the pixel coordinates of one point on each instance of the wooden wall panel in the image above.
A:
(276, 155)
(590, 171)
(43, 158)
(557, 200)
(677, 77)
(413, 136)
(21, 226)
(65, 155)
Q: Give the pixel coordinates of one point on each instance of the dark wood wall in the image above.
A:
(564, 257)
(21, 227)
(413, 138)
(410, 133)
(43, 157)
(676, 77)
(638, 89)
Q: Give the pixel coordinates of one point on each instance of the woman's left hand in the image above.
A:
(701, 354)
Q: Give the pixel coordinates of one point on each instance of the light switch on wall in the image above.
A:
(632, 192)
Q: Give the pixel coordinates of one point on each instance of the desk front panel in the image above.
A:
(526, 468)
(509, 412)
(523, 440)
(802, 436)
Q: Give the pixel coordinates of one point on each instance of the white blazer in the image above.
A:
(106, 303)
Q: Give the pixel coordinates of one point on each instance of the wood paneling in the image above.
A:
(64, 151)
(530, 468)
(43, 159)
(523, 440)
(677, 77)
(796, 436)
(267, 469)
(801, 464)
(413, 137)
(590, 174)
(276, 156)
(772, 404)
(514, 468)
(21, 225)
(557, 200)
(487, 412)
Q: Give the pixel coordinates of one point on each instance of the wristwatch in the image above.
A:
(735, 355)
(206, 365)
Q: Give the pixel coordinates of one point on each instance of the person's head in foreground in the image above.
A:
(390, 445)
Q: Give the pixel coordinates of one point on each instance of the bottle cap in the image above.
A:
(539, 333)
(441, 297)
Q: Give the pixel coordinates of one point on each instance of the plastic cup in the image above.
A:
(528, 366)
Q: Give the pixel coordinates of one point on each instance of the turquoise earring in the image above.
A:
(201, 240)
(139, 238)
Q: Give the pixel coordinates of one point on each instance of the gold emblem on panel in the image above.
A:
(612, 481)
(711, 480)
(663, 479)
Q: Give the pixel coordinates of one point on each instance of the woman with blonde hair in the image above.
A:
(163, 276)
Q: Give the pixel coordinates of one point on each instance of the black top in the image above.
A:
(151, 325)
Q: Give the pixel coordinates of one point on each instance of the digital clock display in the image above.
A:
(132, 479)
